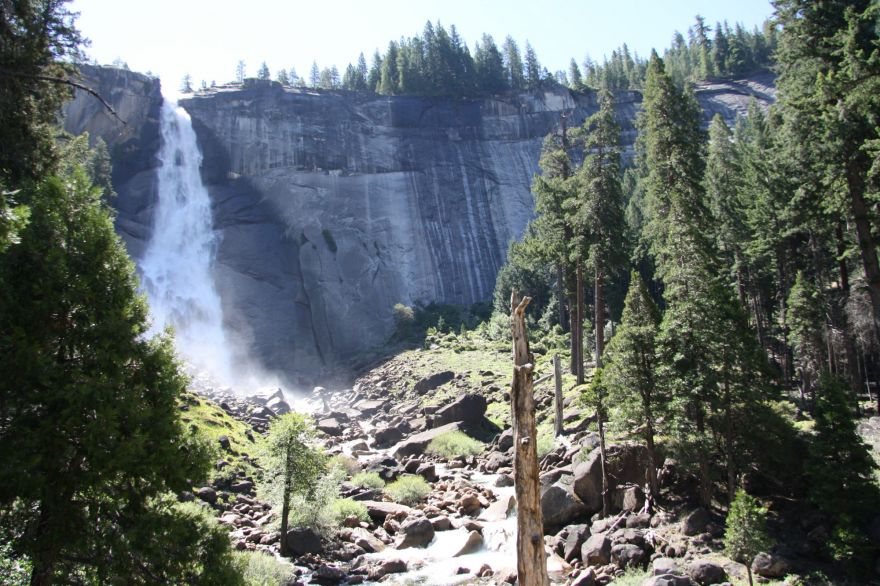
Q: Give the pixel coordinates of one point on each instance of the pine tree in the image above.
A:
(314, 75)
(292, 464)
(532, 70)
(361, 73)
(709, 362)
(629, 372)
(264, 73)
(283, 78)
(598, 211)
(575, 79)
(90, 431)
(489, 66)
(829, 65)
(513, 64)
(240, 71)
(840, 473)
(746, 533)
(37, 41)
(186, 84)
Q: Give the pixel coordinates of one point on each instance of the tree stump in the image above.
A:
(531, 562)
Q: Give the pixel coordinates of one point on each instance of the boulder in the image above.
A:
(695, 522)
(626, 464)
(704, 572)
(571, 547)
(242, 486)
(596, 550)
(327, 574)
(207, 494)
(627, 555)
(663, 566)
(385, 567)
(505, 440)
(417, 443)
(560, 506)
(301, 541)
(472, 543)
(467, 409)
(415, 533)
(428, 472)
(429, 383)
(770, 566)
(500, 509)
(379, 510)
(330, 426)
(632, 498)
(369, 408)
(585, 578)
(366, 540)
(668, 580)
(387, 436)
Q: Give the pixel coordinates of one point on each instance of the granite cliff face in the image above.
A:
(334, 206)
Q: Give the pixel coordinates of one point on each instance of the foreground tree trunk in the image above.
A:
(531, 563)
(599, 323)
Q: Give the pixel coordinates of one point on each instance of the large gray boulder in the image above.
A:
(467, 409)
(596, 550)
(560, 506)
(705, 573)
(415, 533)
(416, 444)
(301, 541)
(379, 510)
(626, 464)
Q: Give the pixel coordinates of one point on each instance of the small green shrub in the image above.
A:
(347, 463)
(261, 569)
(368, 480)
(632, 577)
(454, 444)
(343, 508)
(546, 443)
(408, 489)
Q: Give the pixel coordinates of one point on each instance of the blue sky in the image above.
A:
(207, 38)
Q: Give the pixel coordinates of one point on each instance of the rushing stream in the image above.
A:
(177, 264)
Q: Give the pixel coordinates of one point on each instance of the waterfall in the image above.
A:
(178, 261)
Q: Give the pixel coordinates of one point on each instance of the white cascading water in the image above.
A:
(177, 264)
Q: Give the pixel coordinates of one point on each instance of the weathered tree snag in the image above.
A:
(531, 563)
(557, 375)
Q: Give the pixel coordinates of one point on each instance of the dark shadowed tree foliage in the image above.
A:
(89, 422)
(34, 37)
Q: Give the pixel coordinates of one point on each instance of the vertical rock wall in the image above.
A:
(334, 206)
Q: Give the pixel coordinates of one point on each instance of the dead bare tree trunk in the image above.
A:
(531, 562)
(557, 375)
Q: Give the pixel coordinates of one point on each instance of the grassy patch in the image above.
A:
(347, 463)
(341, 509)
(213, 422)
(632, 577)
(454, 444)
(262, 569)
(408, 489)
(368, 480)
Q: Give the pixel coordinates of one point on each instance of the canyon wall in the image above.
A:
(334, 206)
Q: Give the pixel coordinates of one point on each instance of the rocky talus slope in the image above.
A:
(462, 530)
